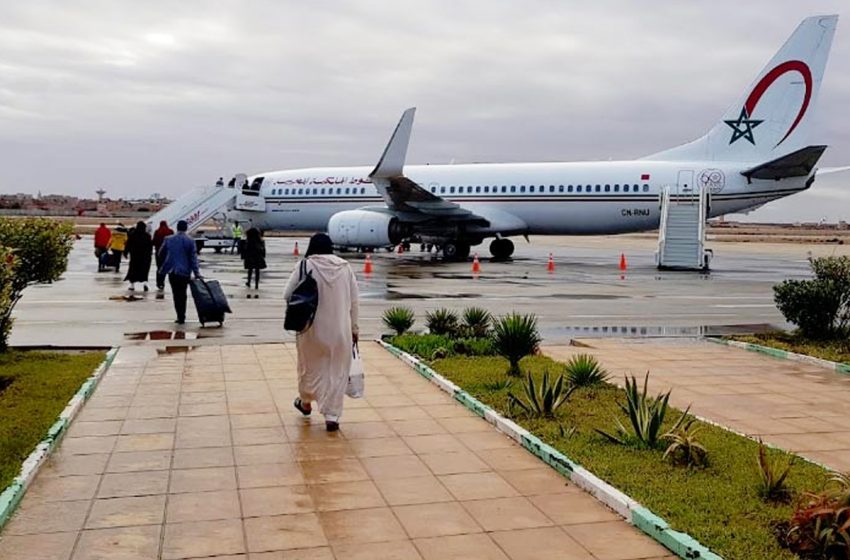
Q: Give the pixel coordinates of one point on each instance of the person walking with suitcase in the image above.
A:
(254, 256)
(159, 236)
(101, 244)
(180, 262)
(325, 349)
(117, 245)
(139, 248)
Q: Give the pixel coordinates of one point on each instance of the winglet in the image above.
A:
(391, 163)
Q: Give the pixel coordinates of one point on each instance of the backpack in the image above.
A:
(302, 304)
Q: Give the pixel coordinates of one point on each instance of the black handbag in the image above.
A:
(302, 304)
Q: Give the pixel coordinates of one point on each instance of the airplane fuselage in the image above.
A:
(583, 198)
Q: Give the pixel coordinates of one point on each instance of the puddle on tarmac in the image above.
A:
(126, 297)
(161, 335)
(656, 331)
(174, 349)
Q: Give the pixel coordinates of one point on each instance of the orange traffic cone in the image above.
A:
(401, 248)
(476, 264)
(623, 265)
(367, 267)
(295, 251)
(550, 266)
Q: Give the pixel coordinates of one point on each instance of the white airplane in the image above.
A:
(757, 152)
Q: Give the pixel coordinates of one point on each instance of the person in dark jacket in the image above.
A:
(254, 256)
(159, 236)
(139, 248)
(180, 262)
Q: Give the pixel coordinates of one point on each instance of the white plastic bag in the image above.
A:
(356, 380)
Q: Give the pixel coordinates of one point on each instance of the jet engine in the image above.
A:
(364, 228)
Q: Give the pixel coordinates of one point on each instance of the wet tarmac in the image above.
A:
(586, 295)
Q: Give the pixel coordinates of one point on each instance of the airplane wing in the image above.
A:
(831, 170)
(403, 195)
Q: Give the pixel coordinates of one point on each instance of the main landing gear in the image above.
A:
(456, 250)
(502, 249)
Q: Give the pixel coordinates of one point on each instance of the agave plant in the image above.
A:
(442, 321)
(583, 371)
(399, 319)
(498, 385)
(515, 337)
(477, 321)
(772, 474)
(646, 416)
(820, 528)
(684, 448)
(542, 399)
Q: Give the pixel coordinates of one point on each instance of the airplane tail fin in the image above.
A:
(773, 116)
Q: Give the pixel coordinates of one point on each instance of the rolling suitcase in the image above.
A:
(210, 301)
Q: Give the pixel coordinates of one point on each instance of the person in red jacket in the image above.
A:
(159, 236)
(101, 243)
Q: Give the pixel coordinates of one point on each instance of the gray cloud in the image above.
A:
(160, 96)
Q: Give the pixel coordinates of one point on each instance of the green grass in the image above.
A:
(833, 351)
(718, 505)
(34, 388)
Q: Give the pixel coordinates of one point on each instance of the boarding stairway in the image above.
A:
(212, 203)
(681, 234)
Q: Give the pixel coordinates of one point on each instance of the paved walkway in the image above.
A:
(795, 406)
(200, 455)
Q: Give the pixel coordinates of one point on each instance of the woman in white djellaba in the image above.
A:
(325, 349)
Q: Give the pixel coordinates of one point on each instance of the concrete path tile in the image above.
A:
(346, 495)
(48, 517)
(126, 543)
(478, 486)
(460, 547)
(434, 520)
(504, 514)
(205, 457)
(144, 483)
(126, 512)
(361, 526)
(202, 480)
(279, 500)
(269, 474)
(202, 538)
(613, 540)
(133, 461)
(203, 506)
(396, 550)
(417, 490)
(284, 532)
(540, 544)
(53, 546)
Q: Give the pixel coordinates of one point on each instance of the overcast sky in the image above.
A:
(144, 97)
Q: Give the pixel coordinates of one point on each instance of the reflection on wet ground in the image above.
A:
(161, 335)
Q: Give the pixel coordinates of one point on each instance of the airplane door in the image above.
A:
(249, 196)
(685, 182)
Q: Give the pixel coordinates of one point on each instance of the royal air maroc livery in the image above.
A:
(757, 152)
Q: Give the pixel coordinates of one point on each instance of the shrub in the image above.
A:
(474, 347)
(544, 399)
(684, 448)
(583, 370)
(772, 474)
(40, 247)
(399, 319)
(422, 345)
(7, 274)
(646, 416)
(819, 307)
(820, 528)
(442, 322)
(515, 336)
(477, 322)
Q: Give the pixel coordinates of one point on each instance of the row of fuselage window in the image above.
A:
(504, 189)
